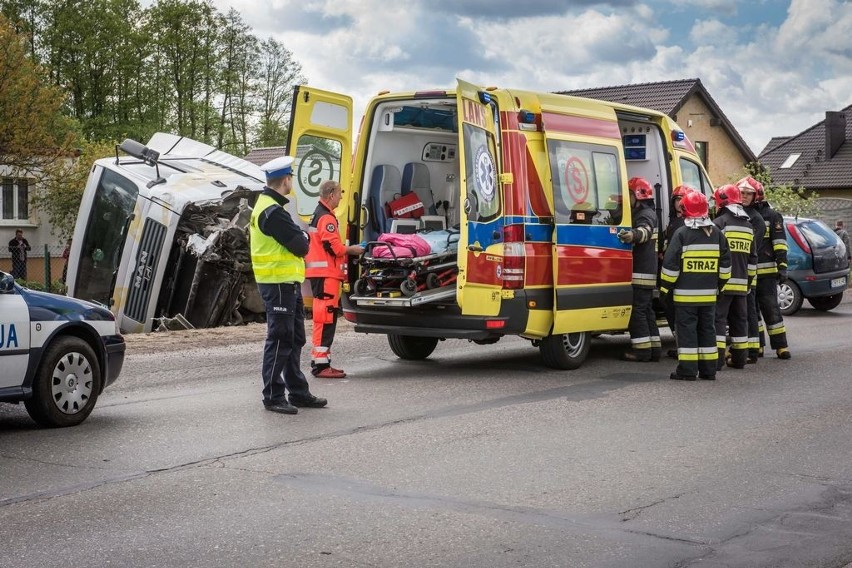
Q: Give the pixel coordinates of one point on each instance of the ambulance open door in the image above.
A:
(480, 242)
(320, 141)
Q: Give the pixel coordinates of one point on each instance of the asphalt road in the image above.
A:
(476, 457)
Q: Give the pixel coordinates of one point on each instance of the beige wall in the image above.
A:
(726, 161)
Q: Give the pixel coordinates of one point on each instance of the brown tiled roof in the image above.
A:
(812, 170)
(667, 97)
(260, 156)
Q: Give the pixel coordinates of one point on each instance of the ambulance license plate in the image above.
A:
(838, 282)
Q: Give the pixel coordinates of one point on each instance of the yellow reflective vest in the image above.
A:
(271, 261)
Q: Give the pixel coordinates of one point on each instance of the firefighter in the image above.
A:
(325, 268)
(675, 223)
(732, 304)
(644, 335)
(771, 269)
(696, 265)
(758, 225)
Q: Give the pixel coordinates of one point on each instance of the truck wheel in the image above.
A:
(789, 298)
(66, 385)
(566, 350)
(825, 303)
(412, 348)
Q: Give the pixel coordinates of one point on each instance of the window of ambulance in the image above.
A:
(106, 230)
(694, 177)
(586, 183)
(483, 199)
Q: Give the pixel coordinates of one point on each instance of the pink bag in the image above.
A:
(401, 246)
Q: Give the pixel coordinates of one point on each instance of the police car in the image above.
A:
(57, 354)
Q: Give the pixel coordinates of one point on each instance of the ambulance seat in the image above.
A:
(415, 177)
(384, 185)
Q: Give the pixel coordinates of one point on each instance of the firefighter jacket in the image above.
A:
(758, 225)
(772, 254)
(644, 246)
(327, 254)
(697, 264)
(276, 243)
(740, 236)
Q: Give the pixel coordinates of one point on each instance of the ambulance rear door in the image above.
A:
(591, 268)
(480, 256)
(320, 141)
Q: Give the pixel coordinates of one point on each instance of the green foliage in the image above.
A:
(785, 198)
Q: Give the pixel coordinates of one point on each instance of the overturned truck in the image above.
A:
(161, 236)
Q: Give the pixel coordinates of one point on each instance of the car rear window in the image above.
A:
(818, 234)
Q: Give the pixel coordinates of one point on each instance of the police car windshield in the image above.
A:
(106, 231)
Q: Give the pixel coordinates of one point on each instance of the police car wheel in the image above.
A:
(66, 385)
(565, 350)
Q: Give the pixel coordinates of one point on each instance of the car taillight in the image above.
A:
(798, 237)
(513, 256)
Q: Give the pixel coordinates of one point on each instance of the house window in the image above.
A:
(701, 149)
(14, 199)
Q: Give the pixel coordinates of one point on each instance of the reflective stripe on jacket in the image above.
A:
(271, 261)
(327, 253)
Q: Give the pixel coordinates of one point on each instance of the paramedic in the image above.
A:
(325, 267)
(758, 225)
(278, 248)
(696, 265)
(732, 305)
(771, 269)
(644, 335)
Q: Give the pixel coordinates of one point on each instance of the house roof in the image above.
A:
(811, 170)
(667, 97)
(260, 156)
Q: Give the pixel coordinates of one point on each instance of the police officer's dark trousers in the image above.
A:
(767, 301)
(644, 334)
(732, 318)
(696, 340)
(285, 337)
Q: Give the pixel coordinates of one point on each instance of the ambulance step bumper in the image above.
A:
(424, 297)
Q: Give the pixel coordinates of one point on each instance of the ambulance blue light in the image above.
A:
(678, 135)
(484, 97)
(526, 116)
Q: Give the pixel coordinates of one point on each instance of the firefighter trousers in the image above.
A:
(754, 324)
(326, 292)
(285, 337)
(767, 301)
(644, 334)
(732, 318)
(696, 340)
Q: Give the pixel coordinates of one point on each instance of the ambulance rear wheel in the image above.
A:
(66, 385)
(412, 348)
(565, 351)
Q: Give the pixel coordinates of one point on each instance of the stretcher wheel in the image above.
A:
(432, 281)
(361, 287)
(408, 287)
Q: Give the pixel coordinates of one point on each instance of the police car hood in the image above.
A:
(52, 307)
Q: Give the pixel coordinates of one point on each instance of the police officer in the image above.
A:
(278, 248)
(644, 335)
(771, 269)
(732, 304)
(758, 226)
(696, 265)
(325, 267)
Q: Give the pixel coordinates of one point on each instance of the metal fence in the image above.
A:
(44, 269)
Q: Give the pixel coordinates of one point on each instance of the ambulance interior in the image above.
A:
(413, 150)
(646, 157)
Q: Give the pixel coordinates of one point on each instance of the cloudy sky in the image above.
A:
(774, 66)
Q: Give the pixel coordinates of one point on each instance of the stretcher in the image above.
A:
(392, 279)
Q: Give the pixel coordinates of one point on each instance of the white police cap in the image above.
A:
(279, 167)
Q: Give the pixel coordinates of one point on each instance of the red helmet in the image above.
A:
(694, 205)
(640, 188)
(748, 183)
(727, 195)
(681, 190)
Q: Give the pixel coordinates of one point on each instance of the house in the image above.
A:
(818, 159)
(722, 149)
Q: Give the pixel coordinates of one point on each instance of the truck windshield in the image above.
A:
(106, 229)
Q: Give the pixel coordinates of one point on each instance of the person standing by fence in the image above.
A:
(18, 247)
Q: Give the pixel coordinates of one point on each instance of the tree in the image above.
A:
(785, 198)
(60, 188)
(279, 74)
(33, 130)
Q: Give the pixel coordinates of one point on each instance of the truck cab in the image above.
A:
(533, 184)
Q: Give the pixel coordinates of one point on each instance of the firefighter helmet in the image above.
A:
(748, 183)
(681, 190)
(727, 195)
(694, 205)
(640, 188)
